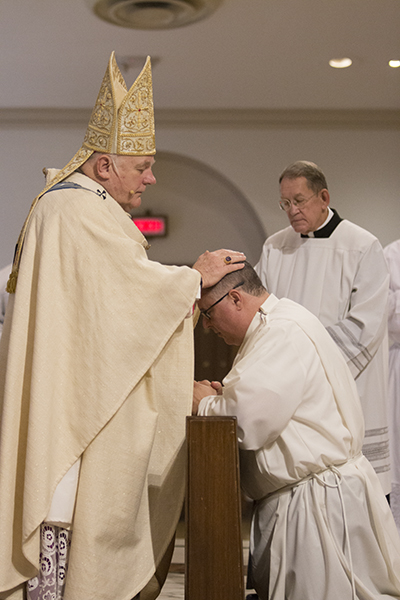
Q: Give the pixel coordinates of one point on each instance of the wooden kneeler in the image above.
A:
(213, 548)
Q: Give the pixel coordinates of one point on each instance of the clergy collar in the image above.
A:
(326, 230)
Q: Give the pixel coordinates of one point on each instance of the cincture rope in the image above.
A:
(342, 558)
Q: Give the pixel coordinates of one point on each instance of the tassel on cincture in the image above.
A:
(12, 282)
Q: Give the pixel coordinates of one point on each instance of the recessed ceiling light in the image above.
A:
(394, 63)
(150, 14)
(340, 63)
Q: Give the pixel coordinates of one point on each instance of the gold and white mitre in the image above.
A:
(122, 122)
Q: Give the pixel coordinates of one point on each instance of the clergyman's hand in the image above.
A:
(212, 266)
(201, 389)
(217, 386)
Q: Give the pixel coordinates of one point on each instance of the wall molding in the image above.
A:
(221, 118)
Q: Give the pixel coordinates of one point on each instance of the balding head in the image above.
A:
(229, 306)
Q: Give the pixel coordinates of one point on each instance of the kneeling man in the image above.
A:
(321, 526)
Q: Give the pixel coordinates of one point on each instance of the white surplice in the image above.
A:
(322, 528)
(392, 255)
(342, 278)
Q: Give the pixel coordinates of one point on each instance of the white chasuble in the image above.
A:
(96, 363)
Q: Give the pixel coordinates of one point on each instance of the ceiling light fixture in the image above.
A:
(150, 14)
(394, 64)
(340, 63)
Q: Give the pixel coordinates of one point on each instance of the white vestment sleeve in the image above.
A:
(392, 255)
(394, 315)
(361, 332)
(263, 389)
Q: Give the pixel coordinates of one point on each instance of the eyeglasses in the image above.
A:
(286, 203)
(206, 313)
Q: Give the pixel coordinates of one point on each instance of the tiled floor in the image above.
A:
(174, 587)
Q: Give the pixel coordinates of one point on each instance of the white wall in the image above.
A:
(361, 165)
(24, 152)
(362, 169)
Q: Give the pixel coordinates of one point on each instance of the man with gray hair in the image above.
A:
(337, 271)
(96, 371)
(321, 527)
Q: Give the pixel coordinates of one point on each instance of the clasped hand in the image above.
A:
(204, 388)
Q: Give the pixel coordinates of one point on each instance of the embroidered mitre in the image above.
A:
(122, 122)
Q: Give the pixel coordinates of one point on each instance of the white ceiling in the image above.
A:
(257, 54)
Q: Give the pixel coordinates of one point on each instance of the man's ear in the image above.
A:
(237, 298)
(325, 196)
(103, 166)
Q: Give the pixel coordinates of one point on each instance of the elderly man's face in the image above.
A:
(313, 208)
(131, 175)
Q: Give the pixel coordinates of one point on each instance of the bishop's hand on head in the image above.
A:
(212, 266)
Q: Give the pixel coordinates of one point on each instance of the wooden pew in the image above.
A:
(213, 549)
